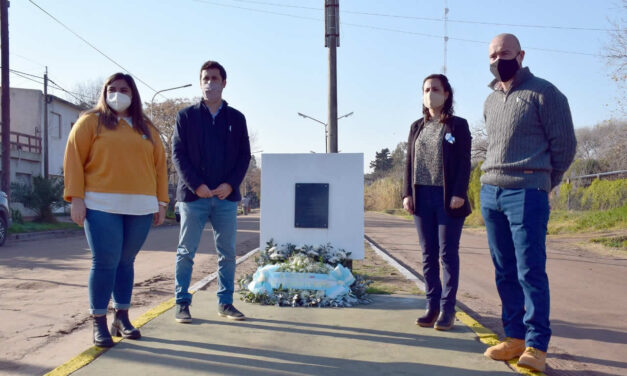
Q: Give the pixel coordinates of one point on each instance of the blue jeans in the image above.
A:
(222, 214)
(516, 221)
(439, 235)
(115, 240)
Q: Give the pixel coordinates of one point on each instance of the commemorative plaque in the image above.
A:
(311, 208)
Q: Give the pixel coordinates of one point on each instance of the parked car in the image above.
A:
(5, 217)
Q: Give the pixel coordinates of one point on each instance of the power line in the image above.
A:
(384, 28)
(257, 10)
(91, 45)
(433, 19)
(54, 84)
(81, 100)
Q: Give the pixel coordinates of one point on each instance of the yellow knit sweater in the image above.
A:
(113, 161)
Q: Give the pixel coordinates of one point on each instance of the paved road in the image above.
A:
(44, 295)
(589, 295)
(43, 285)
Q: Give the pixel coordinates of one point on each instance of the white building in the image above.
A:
(27, 119)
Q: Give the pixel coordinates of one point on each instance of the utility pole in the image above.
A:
(6, 109)
(332, 41)
(45, 140)
(445, 35)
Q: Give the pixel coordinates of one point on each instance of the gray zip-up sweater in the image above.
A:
(531, 138)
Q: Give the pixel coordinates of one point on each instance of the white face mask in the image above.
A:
(433, 99)
(118, 102)
(212, 91)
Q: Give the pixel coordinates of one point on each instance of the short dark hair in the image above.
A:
(210, 64)
(447, 108)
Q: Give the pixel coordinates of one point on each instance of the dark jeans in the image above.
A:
(516, 221)
(115, 240)
(439, 236)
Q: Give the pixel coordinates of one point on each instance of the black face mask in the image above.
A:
(504, 70)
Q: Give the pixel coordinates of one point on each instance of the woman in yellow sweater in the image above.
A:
(116, 180)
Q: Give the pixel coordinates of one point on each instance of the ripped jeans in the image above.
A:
(222, 214)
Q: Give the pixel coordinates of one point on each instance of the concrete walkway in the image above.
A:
(375, 339)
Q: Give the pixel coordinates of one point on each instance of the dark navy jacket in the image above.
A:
(208, 151)
(455, 160)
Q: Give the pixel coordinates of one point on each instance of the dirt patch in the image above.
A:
(386, 279)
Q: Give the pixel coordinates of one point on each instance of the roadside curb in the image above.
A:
(484, 334)
(53, 234)
(38, 235)
(89, 355)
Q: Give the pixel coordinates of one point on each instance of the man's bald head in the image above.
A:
(505, 46)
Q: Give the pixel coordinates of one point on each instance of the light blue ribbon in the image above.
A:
(336, 283)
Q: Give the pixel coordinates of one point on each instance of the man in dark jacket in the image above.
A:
(211, 152)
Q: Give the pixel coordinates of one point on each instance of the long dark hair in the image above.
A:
(108, 118)
(447, 108)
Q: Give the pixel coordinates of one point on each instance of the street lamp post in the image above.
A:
(152, 101)
(326, 127)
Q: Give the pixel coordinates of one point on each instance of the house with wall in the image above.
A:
(27, 132)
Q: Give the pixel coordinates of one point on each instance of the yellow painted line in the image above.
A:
(490, 338)
(88, 356)
(485, 335)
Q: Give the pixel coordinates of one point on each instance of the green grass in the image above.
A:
(383, 290)
(18, 228)
(619, 242)
(568, 221)
(398, 212)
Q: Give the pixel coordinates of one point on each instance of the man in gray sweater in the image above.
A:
(531, 143)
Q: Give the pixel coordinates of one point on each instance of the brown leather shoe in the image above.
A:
(510, 348)
(533, 359)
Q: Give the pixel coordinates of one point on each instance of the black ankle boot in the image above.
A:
(122, 327)
(427, 320)
(446, 320)
(102, 338)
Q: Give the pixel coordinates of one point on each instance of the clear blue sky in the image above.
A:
(277, 63)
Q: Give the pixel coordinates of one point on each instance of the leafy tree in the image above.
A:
(42, 197)
(382, 162)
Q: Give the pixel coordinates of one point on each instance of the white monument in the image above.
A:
(313, 199)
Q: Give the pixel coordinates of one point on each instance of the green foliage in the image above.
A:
(18, 228)
(42, 197)
(474, 187)
(604, 194)
(619, 242)
(382, 162)
(16, 216)
(569, 221)
(599, 195)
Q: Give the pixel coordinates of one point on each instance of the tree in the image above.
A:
(605, 143)
(42, 197)
(479, 147)
(382, 162)
(616, 55)
(397, 170)
(164, 118)
(251, 186)
(86, 94)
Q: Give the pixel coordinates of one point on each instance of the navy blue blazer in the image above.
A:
(456, 161)
(189, 147)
